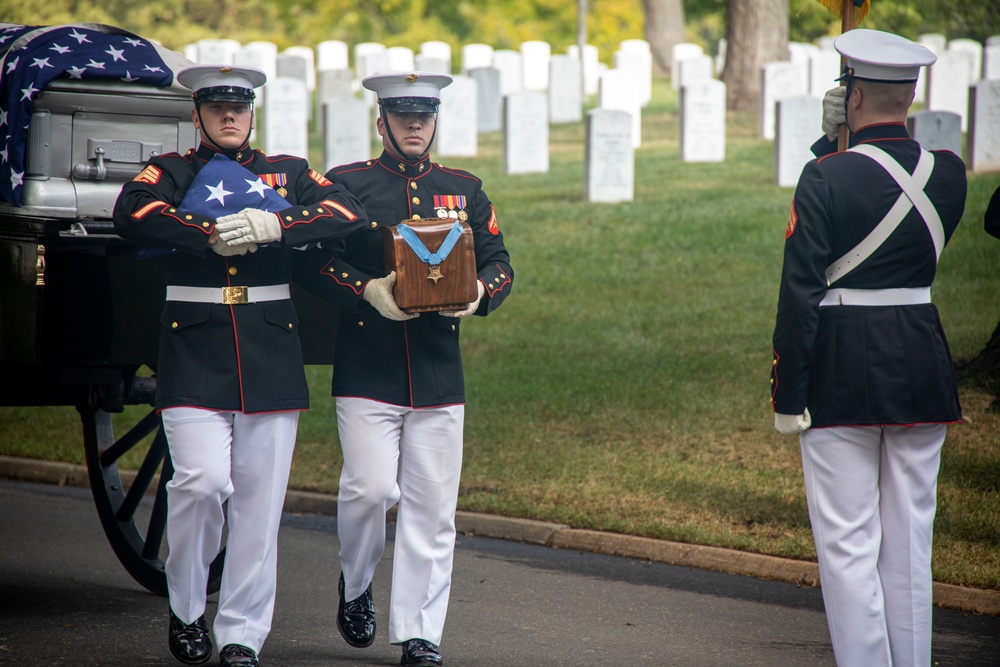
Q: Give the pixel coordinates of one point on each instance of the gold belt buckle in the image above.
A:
(231, 295)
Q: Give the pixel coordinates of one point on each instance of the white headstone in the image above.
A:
(346, 131)
(439, 50)
(191, 52)
(476, 55)
(702, 108)
(695, 70)
(293, 66)
(824, 70)
(936, 130)
(720, 56)
(332, 54)
(489, 102)
(634, 45)
(332, 84)
(590, 66)
(797, 118)
(937, 44)
(526, 132)
(361, 51)
(457, 125)
(948, 83)
(800, 53)
(307, 54)
(640, 62)
(984, 127)
(991, 62)
(565, 95)
(425, 63)
(993, 40)
(265, 54)
(286, 118)
(778, 80)
(619, 90)
(609, 169)
(400, 59)
(535, 65)
(825, 43)
(372, 62)
(974, 51)
(217, 51)
(678, 53)
(508, 62)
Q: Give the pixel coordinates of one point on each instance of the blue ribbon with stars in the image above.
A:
(421, 251)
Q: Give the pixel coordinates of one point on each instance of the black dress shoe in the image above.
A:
(356, 619)
(237, 655)
(420, 653)
(189, 642)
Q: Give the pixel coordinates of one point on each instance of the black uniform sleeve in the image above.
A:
(803, 284)
(146, 208)
(991, 221)
(492, 259)
(324, 212)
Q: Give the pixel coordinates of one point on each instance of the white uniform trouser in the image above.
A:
(245, 459)
(394, 453)
(872, 495)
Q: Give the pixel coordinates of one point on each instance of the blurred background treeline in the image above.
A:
(500, 23)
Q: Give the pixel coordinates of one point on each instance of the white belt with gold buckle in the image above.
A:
(227, 295)
(897, 296)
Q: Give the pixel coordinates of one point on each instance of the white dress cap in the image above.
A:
(197, 77)
(882, 56)
(407, 84)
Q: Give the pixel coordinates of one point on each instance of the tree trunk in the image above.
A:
(756, 34)
(664, 29)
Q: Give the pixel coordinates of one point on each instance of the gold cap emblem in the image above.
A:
(410, 78)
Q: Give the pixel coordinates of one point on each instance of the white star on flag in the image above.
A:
(116, 53)
(11, 65)
(152, 69)
(59, 49)
(219, 193)
(76, 72)
(3, 155)
(16, 179)
(79, 37)
(96, 65)
(29, 91)
(3, 117)
(40, 63)
(133, 42)
(128, 78)
(257, 186)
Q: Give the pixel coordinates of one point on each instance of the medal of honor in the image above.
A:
(435, 273)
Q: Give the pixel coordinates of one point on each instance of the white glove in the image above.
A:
(471, 308)
(792, 424)
(251, 225)
(834, 111)
(227, 250)
(378, 292)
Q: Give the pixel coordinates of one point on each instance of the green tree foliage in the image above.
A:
(500, 23)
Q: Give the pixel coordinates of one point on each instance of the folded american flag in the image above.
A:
(224, 186)
(32, 56)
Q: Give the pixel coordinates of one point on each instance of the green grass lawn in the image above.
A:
(624, 385)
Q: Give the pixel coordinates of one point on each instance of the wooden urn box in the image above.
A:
(435, 264)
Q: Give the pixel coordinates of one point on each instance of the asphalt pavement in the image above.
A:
(65, 600)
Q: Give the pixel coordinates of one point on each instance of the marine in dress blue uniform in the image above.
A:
(230, 379)
(398, 378)
(861, 364)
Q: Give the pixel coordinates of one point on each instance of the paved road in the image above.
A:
(65, 600)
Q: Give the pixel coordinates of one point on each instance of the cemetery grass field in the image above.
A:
(624, 385)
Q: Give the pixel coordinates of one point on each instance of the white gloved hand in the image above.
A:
(834, 111)
(378, 292)
(233, 227)
(251, 225)
(226, 250)
(792, 424)
(471, 308)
